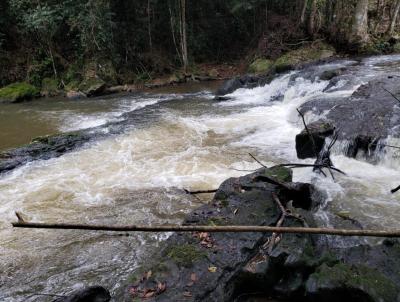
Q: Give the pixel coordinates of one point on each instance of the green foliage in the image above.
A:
(49, 87)
(260, 66)
(18, 92)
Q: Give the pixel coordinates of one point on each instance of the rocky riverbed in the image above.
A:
(197, 141)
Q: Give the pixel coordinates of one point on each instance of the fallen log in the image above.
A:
(206, 228)
(200, 192)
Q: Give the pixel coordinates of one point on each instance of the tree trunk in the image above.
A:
(184, 36)
(359, 30)
(149, 26)
(394, 17)
(311, 20)
(303, 12)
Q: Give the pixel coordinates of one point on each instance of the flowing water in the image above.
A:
(193, 142)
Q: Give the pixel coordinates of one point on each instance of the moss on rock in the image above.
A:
(18, 92)
(261, 66)
(302, 55)
(184, 255)
(279, 173)
(354, 280)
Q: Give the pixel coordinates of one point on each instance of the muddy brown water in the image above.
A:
(138, 176)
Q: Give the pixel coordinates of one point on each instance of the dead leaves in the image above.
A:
(193, 280)
(212, 269)
(205, 239)
(146, 288)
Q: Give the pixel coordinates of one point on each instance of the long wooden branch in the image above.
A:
(199, 192)
(203, 228)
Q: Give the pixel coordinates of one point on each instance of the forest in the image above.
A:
(133, 41)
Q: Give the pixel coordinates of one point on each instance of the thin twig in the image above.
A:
(258, 161)
(309, 133)
(395, 97)
(274, 236)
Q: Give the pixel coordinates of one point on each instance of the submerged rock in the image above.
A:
(89, 294)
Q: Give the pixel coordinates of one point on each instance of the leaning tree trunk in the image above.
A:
(359, 30)
(394, 17)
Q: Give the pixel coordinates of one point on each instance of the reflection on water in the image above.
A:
(138, 177)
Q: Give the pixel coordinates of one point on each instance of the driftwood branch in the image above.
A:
(199, 192)
(395, 190)
(274, 237)
(204, 228)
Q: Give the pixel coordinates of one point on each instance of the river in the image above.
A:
(192, 142)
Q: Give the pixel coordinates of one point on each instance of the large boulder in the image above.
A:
(89, 294)
(92, 87)
(236, 267)
(303, 55)
(18, 92)
(245, 81)
(372, 113)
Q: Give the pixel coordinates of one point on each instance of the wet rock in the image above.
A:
(319, 130)
(43, 148)
(231, 266)
(92, 87)
(328, 75)
(354, 283)
(369, 115)
(246, 81)
(89, 294)
(217, 260)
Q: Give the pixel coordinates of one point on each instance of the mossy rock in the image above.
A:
(92, 86)
(261, 66)
(279, 173)
(50, 87)
(354, 281)
(184, 255)
(18, 92)
(303, 55)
